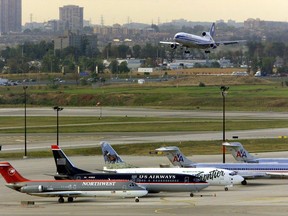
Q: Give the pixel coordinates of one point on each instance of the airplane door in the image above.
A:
(186, 180)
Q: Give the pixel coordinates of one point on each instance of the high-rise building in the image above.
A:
(71, 17)
(10, 16)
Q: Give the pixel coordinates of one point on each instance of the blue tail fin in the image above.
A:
(65, 168)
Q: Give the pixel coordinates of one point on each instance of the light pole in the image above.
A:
(57, 109)
(25, 121)
(224, 91)
(100, 109)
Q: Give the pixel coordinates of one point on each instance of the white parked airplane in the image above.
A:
(246, 170)
(205, 41)
(242, 155)
(214, 176)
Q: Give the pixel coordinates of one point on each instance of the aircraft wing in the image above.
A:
(275, 174)
(169, 43)
(229, 42)
(58, 193)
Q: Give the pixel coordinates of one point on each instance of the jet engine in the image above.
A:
(213, 46)
(204, 34)
(173, 46)
(32, 189)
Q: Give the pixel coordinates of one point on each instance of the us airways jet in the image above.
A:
(205, 41)
(214, 176)
(70, 188)
(246, 170)
(153, 182)
(242, 155)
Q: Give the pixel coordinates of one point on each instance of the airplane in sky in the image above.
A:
(205, 41)
(70, 188)
(246, 170)
(214, 176)
(242, 155)
(153, 182)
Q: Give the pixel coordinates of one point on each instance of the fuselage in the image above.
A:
(192, 41)
(212, 175)
(154, 182)
(79, 188)
(250, 169)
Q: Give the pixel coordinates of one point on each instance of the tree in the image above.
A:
(113, 66)
(123, 67)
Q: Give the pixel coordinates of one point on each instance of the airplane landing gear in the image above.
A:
(191, 195)
(70, 199)
(136, 199)
(207, 51)
(244, 182)
(61, 200)
(226, 188)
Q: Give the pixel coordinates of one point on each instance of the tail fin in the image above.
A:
(63, 164)
(212, 30)
(239, 152)
(109, 154)
(112, 158)
(10, 174)
(176, 157)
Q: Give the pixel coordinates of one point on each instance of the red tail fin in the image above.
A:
(10, 174)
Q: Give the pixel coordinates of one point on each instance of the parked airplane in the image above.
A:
(70, 188)
(205, 41)
(212, 175)
(153, 182)
(246, 170)
(242, 155)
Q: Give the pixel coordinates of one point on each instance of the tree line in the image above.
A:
(266, 56)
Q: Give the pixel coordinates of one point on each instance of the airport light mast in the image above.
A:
(58, 109)
(25, 121)
(224, 91)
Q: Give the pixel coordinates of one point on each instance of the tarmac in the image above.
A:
(259, 197)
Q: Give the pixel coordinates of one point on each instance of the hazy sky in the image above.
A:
(148, 11)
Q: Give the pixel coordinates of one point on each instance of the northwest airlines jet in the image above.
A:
(70, 188)
(205, 41)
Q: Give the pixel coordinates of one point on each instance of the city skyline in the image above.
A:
(155, 11)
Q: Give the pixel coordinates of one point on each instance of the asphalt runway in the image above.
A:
(259, 197)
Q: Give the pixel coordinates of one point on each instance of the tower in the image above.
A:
(10, 16)
(71, 17)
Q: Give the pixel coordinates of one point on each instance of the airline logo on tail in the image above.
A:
(241, 153)
(178, 158)
(11, 171)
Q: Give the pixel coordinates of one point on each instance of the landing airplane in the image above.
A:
(213, 176)
(205, 41)
(246, 170)
(242, 155)
(153, 182)
(70, 188)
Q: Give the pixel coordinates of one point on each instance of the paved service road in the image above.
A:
(259, 197)
(140, 112)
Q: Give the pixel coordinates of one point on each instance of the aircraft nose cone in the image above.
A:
(238, 179)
